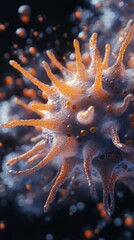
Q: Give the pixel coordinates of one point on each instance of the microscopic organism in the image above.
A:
(88, 121)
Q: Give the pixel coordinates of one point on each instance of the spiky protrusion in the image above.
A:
(83, 117)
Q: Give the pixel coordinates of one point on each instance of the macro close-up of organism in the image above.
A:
(81, 120)
(68, 121)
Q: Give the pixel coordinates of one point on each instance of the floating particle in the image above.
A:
(82, 35)
(21, 33)
(118, 222)
(2, 226)
(9, 80)
(41, 18)
(81, 206)
(100, 206)
(131, 62)
(30, 93)
(25, 18)
(24, 9)
(1, 95)
(32, 71)
(78, 14)
(28, 187)
(3, 27)
(49, 30)
(128, 221)
(72, 209)
(32, 50)
(19, 81)
(49, 236)
(88, 234)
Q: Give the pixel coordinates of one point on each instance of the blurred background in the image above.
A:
(27, 30)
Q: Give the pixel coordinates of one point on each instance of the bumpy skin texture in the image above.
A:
(87, 122)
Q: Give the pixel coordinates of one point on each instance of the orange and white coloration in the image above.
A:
(85, 120)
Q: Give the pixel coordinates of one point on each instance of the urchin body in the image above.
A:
(89, 119)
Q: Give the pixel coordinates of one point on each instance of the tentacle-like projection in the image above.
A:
(41, 164)
(43, 87)
(82, 74)
(121, 108)
(34, 158)
(109, 185)
(105, 63)
(118, 69)
(93, 47)
(97, 88)
(51, 124)
(106, 164)
(39, 146)
(36, 138)
(108, 194)
(29, 107)
(42, 107)
(125, 43)
(57, 63)
(65, 89)
(117, 143)
(89, 152)
(63, 175)
(94, 53)
(69, 145)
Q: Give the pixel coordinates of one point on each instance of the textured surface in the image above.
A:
(88, 121)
